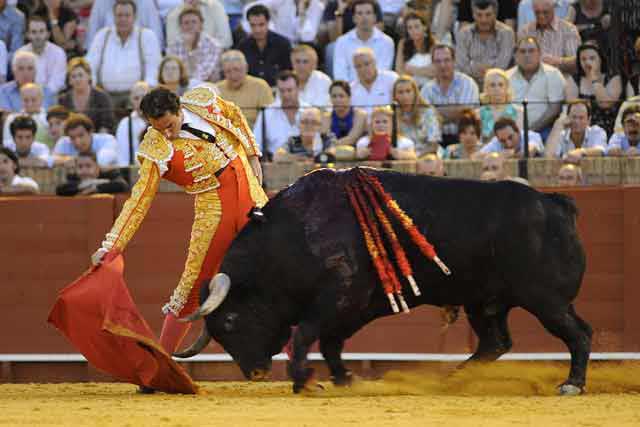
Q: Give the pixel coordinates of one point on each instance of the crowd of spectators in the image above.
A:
(351, 79)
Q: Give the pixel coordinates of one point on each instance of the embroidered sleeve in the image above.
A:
(240, 122)
(135, 208)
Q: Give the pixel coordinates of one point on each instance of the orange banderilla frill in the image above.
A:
(367, 214)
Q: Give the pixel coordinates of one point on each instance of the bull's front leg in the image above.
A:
(331, 349)
(303, 337)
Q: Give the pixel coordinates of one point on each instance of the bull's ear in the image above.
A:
(230, 322)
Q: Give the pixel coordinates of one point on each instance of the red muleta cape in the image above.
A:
(98, 316)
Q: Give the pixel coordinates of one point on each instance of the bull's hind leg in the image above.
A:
(490, 325)
(565, 324)
(331, 349)
(303, 337)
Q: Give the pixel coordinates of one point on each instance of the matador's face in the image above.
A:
(168, 125)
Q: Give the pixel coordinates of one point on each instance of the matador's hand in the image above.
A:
(98, 256)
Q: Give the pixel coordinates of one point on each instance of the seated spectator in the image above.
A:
(378, 145)
(314, 84)
(570, 175)
(214, 23)
(345, 121)
(79, 138)
(509, 140)
(4, 62)
(431, 165)
(413, 56)
(485, 44)
(196, 49)
(526, 13)
(542, 85)
(131, 127)
(574, 137)
(173, 75)
(31, 95)
(62, 22)
(594, 82)
(298, 21)
(281, 119)
(31, 154)
(88, 179)
(507, 12)
(247, 92)
(51, 59)
(83, 97)
(56, 116)
(11, 183)
(310, 143)
(449, 87)
(104, 15)
(419, 121)
(364, 35)
(444, 24)
(496, 98)
(338, 18)
(23, 67)
(11, 27)
(626, 144)
(266, 52)
(469, 143)
(558, 38)
(634, 100)
(124, 53)
(493, 167)
(593, 20)
(373, 87)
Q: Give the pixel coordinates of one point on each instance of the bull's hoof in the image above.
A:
(307, 382)
(570, 390)
(344, 380)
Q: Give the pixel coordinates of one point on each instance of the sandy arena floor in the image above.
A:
(504, 394)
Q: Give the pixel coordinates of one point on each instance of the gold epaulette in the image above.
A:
(203, 101)
(157, 148)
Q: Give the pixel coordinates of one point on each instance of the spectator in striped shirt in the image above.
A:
(451, 91)
(198, 50)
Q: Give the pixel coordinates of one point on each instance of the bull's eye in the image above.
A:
(230, 322)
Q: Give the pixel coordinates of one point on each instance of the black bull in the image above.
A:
(507, 245)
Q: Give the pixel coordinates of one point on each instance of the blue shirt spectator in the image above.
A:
(509, 140)
(104, 145)
(11, 27)
(620, 142)
(10, 97)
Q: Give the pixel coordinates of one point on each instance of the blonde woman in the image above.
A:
(378, 145)
(496, 97)
(417, 120)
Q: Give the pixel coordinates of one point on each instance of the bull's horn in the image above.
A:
(195, 348)
(218, 290)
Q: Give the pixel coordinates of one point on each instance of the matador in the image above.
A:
(204, 144)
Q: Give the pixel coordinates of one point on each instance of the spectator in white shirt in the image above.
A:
(282, 118)
(313, 84)
(12, 184)
(373, 87)
(509, 140)
(131, 127)
(51, 64)
(215, 24)
(573, 137)
(23, 66)
(296, 20)
(103, 14)
(31, 154)
(365, 34)
(80, 139)
(4, 62)
(32, 97)
(121, 55)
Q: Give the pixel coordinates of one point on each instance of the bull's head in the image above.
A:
(244, 322)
